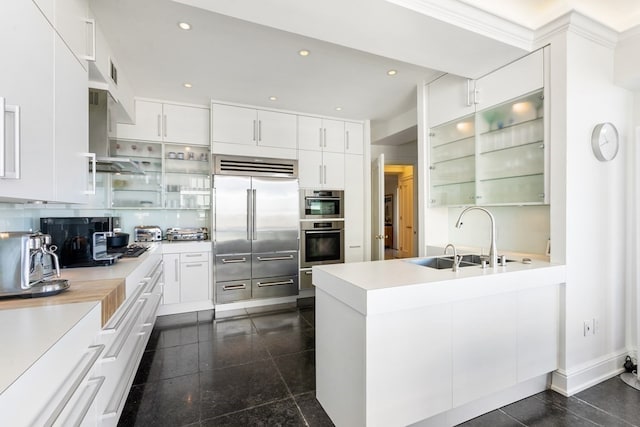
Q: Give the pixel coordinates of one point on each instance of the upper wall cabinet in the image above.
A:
(167, 122)
(450, 97)
(319, 134)
(353, 138)
(511, 81)
(231, 124)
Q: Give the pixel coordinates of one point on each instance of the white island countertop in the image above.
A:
(394, 285)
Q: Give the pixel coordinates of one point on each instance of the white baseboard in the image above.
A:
(572, 381)
(166, 309)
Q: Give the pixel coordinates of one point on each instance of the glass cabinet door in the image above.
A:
(187, 177)
(452, 163)
(138, 191)
(511, 152)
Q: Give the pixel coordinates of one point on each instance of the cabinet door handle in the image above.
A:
(164, 124)
(320, 170)
(347, 135)
(254, 130)
(92, 56)
(233, 260)
(192, 255)
(276, 283)
(320, 138)
(176, 269)
(15, 109)
(275, 258)
(308, 273)
(354, 246)
(194, 265)
(92, 157)
(234, 287)
(325, 137)
(325, 174)
(468, 93)
(159, 125)
(259, 130)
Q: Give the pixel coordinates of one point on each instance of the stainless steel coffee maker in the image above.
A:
(29, 265)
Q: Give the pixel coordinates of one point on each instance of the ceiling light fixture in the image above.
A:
(272, 98)
(392, 72)
(303, 52)
(184, 26)
(338, 108)
(187, 85)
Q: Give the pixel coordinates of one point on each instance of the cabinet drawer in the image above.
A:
(233, 267)
(274, 264)
(306, 279)
(233, 291)
(194, 256)
(274, 287)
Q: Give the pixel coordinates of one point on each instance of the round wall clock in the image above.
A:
(604, 141)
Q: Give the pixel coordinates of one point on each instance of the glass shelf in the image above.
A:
(453, 194)
(525, 189)
(454, 171)
(513, 162)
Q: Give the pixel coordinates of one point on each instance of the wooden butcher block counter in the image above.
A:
(109, 292)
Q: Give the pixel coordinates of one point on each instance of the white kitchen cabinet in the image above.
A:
(522, 76)
(155, 121)
(450, 97)
(320, 134)
(353, 138)
(71, 137)
(188, 277)
(317, 169)
(231, 124)
(353, 208)
(26, 82)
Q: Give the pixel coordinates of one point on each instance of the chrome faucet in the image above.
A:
(456, 259)
(493, 252)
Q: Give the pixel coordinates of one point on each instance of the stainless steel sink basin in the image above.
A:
(443, 262)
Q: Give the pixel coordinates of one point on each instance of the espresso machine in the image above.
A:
(29, 266)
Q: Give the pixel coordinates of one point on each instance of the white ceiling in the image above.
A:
(246, 51)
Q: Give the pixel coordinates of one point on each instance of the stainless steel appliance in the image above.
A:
(147, 233)
(28, 265)
(193, 233)
(256, 228)
(74, 237)
(319, 204)
(321, 242)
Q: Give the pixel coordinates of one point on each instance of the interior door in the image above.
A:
(377, 209)
(406, 217)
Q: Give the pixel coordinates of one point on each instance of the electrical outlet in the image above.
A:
(587, 326)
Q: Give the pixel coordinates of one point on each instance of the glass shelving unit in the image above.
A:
(138, 191)
(511, 152)
(187, 177)
(452, 163)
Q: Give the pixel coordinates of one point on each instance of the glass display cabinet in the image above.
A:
(187, 177)
(138, 191)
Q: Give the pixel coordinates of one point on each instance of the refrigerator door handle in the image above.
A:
(249, 210)
(253, 216)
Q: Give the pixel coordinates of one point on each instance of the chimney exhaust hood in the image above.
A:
(99, 137)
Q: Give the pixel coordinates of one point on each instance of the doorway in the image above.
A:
(399, 212)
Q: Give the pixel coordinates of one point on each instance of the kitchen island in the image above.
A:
(398, 343)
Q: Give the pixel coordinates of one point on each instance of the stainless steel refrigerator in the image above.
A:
(256, 223)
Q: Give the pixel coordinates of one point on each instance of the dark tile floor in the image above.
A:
(256, 367)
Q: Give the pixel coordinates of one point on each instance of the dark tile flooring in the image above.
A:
(256, 367)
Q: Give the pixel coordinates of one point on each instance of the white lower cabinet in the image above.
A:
(188, 277)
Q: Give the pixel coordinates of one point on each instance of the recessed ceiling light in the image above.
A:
(272, 98)
(338, 108)
(392, 72)
(184, 25)
(187, 85)
(303, 52)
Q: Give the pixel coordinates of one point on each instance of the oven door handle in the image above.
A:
(324, 198)
(276, 283)
(324, 231)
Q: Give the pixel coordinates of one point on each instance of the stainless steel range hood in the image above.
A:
(99, 101)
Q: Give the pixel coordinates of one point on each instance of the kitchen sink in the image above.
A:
(444, 262)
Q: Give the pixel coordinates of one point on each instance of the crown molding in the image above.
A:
(473, 19)
(579, 24)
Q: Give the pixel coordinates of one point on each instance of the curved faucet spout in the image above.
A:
(493, 252)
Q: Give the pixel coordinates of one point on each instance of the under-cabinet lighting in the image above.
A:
(184, 26)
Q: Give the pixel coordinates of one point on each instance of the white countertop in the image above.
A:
(393, 285)
(27, 333)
